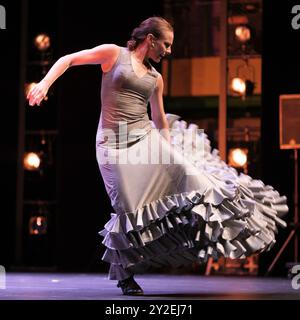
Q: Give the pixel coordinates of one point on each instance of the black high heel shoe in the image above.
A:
(130, 287)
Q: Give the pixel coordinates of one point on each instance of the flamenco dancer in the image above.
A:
(167, 213)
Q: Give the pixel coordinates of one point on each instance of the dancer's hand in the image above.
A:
(38, 93)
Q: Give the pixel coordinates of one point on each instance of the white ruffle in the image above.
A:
(234, 221)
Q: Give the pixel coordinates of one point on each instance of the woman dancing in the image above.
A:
(171, 208)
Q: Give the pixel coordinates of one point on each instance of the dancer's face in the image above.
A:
(160, 48)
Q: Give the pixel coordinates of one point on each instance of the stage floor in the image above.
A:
(60, 286)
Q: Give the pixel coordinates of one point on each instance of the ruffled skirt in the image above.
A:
(174, 206)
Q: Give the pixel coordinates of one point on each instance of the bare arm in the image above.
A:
(157, 109)
(105, 55)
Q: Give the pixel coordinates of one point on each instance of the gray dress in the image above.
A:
(172, 207)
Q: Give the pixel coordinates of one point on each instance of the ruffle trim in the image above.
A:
(210, 224)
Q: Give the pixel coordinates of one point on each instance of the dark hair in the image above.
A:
(153, 25)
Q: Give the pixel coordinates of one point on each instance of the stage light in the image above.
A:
(241, 87)
(42, 42)
(238, 157)
(242, 33)
(43, 140)
(31, 161)
(238, 86)
(37, 225)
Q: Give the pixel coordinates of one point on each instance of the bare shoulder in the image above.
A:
(113, 52)
(159, 81)
(110, 47)
(159, 76)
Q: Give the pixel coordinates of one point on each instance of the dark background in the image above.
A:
(280, 75)
(83, 206)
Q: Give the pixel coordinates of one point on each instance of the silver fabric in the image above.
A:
(174, 213)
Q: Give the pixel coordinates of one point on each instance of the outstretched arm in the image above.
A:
(157, 109)
(104, 54)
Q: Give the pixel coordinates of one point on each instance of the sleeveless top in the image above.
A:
(124, 99)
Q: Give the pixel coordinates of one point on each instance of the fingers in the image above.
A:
(32, 92)
(31, 96)
(35, 96)
(35, 99)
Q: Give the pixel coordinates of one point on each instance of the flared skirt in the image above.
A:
(180, 203)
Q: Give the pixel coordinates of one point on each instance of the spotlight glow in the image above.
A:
(243, 33)
(31, 161)
(238, 86)
(42, 42)
(38, 225)
(238, 157)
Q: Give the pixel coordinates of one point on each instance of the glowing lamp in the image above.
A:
(31, 161)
